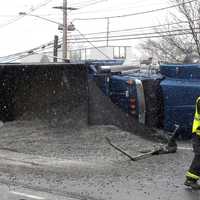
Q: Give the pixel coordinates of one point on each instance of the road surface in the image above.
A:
(19, 193)
(39, 159)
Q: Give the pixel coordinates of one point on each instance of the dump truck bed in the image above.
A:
(49, 92)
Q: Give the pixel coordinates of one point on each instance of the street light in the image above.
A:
(49, 20)
(62, 27)
(70, 27)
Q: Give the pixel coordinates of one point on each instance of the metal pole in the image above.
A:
(65, 30)
(55, 48)
(108, 30)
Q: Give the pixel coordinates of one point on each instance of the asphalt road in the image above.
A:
(17, 193)
(51, 163)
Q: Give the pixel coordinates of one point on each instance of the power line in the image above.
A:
(110, 9)
(93, 45)
(92, 3)
(99, 47)
(87, 3)
(43, 46)
(136, 34)
(112, 38)
(29, 52)
(138, 28)
(16, 58)
(141, 37)
(29, 12)
(137, 13)
(40, 6)
(115, 39)
(96, 39)
(39, 48)
(86, 48)
(21, 56)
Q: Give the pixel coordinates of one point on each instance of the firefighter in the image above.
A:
(193, 174)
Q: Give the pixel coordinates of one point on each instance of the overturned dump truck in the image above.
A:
(59, 95)
(161, 98)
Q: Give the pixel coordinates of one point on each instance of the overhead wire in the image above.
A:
(111, 9)
(85, 48)
(27, 52)
(92, 4)
(32, 49)
(87, 3)
(136, 34)
(106, 56)
(136, 13)
(129, 36)
(91, 42)
(140, 37)
(48, 45)
(18, 58)
(29, 12)
(84, 39)
(138, 28)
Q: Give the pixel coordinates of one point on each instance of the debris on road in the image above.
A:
(171, 147)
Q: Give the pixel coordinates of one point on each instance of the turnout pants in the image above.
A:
(194, 170)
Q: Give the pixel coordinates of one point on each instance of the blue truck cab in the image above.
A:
(159, 100)
(180, 88)
(139, 95)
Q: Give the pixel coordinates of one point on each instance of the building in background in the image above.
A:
(102, 53)
(82, 54)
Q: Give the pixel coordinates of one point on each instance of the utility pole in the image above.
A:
(65, 27)
(108, 30)
(55, 48)
(65, 30)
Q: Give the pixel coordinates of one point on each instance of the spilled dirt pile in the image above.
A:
(55, 94)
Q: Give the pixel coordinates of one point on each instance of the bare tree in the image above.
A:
(182, 36)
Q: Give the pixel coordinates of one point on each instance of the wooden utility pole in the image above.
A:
(65, 8)
(55, 48)
(65, 30)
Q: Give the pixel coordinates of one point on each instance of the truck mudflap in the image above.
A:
(54, 93)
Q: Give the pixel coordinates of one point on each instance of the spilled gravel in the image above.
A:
(92, 169)
(39, 138)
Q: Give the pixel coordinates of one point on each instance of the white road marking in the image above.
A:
(27, 195)
(185, 148)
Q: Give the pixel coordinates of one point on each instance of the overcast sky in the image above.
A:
(29, 32)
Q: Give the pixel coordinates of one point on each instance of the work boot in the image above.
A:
(172, 145)
(192, 183)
